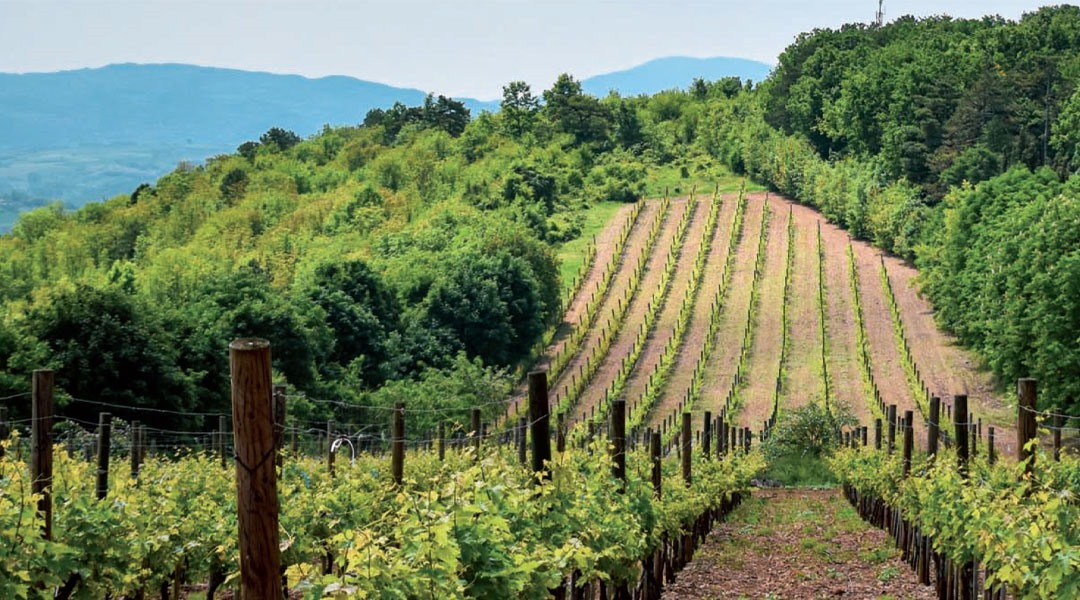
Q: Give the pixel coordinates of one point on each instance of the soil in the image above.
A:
(764, 364)
(803, 370)
(594, 392)
(720, 371)
(796, 544)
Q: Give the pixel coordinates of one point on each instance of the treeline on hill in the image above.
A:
(953, 143)
(411, 257)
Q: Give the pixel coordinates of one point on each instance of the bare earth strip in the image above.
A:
(682, 373)
(760, 384)
(605, 250)
(945, 367)
(803, 382)
(796, 544)
(884, 354)
(698, 328)
(843, 359)
(624, 340)
(720, 371)
(632, 253)
(664, 325)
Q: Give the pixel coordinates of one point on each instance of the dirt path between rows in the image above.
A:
(804, 381)
(633, 252)
(697, 330)
(720, 370)
(946, 368)
(796, 544)
(760, 383)
(621, 346)
(843, 359)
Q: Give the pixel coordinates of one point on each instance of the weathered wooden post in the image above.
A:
(540, 422)
(909, 442)
(256, 475)
(890, 416)
(104, 430)
(442, 441)
(279, 423)
(618, 442)
(686, 440)
(330, 447)
(933, 427)
(877, 434)
(960, 414)
(476, 432)
(1059, 422)
(1026, 426)
(397, 449)
(41, 451)
(748, 440)
(223, 442)
(519, 435)
(133, 443)
(4, 431)
(706, 445)
(991, 453)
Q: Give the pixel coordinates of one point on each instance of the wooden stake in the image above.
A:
(397, 449)
(256, 477)
(476, 433)
(960, 414)
(933, 427)
(1026, 426)
(442, 441)
(706, 446)
(657, 470)
(41, 450)
(104, 429)
(909, 434)
(685, 439)
(618, 442)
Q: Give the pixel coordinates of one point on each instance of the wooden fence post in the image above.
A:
(1058, 424)
(256, 475)
(657, 471)
(523, 424)
(890, 416)
(104, 430)
(706, 445)
(397, 449)
(540, 423)
(877, 434)
(4, 432)
(909, 434)
(41, 451)
(933, 427)
(960, 415)
(991, 454)
(442, 440)
(133, 442)
(685, 439)
(618, 442)
(1026, 426)
(476, 433)
(279, 423)
(223, 441)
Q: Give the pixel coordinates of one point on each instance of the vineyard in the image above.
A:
(694, 326)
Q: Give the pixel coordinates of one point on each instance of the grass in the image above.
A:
(793, 470)
(700, 172)
(572, 254)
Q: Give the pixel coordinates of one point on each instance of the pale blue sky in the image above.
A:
(461, 48)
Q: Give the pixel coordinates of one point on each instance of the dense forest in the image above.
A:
(414, 255)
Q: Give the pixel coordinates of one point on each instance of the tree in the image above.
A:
(445, 113)
(233, 185)
(279, 138)
(519, 108)
(106, 347)
(573, 112)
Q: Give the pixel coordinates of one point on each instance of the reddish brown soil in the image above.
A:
(843, 359)
(803, 382)
(663, 329)
(720, 370)
(884, 352)
(595, 392)
(798, 544)
(946, 368)
(682, 373)
(760, 384)
(632, 253)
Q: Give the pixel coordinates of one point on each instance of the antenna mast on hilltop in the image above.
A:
(880, 17)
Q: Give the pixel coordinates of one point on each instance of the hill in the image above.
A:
(673, 72)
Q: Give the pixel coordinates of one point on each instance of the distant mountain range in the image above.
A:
(90, 134)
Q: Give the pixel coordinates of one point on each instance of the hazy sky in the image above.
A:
(455, 47)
